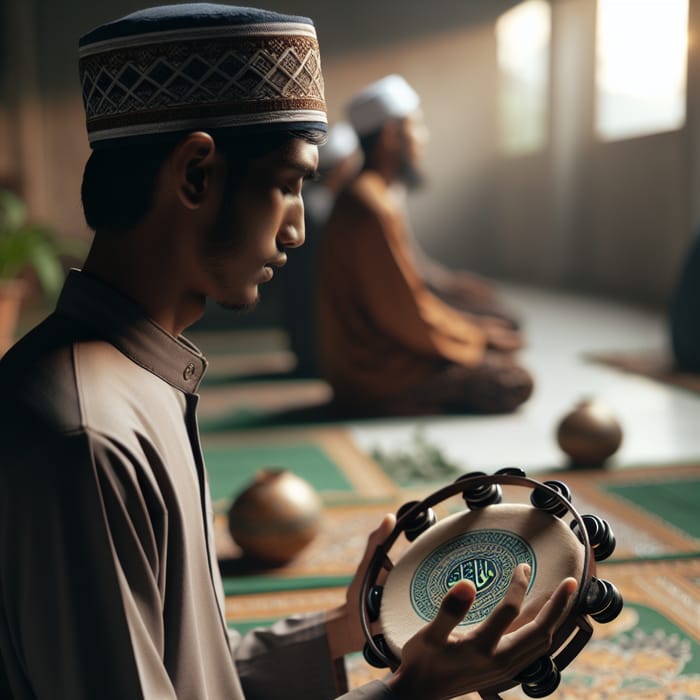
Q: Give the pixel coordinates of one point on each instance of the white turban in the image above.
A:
(389, 98)
(342, 142)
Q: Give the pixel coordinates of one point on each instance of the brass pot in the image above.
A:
(276, 516)
(589, 434)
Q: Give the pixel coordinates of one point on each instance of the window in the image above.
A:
(641, 52)
(523, 41)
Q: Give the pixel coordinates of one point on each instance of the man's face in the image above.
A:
(261, 215)
(414, 136)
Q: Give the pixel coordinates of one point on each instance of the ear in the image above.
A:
(193, 167)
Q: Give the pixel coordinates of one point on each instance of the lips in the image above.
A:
(279, 261)
(268, 271)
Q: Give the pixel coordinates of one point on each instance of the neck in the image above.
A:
(149, 269)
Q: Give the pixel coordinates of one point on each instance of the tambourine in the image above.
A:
(484, 544)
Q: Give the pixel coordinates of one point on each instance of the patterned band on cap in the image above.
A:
(217, 77)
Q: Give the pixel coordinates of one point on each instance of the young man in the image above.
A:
(203, 120)
(387, 343)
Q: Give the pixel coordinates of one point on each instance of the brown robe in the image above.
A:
(109, 584)
(381, 331)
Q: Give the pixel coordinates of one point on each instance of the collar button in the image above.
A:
(189, 371)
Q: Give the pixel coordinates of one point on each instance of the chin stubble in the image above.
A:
(239, 308)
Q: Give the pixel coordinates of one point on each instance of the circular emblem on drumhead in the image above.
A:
(487, 558)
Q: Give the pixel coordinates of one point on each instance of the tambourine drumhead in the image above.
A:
(483, 545)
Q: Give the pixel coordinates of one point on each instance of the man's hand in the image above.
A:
(437, 663)
(500, 334)
(343, 626)
(468, 288)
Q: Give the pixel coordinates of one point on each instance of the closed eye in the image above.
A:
(295, 187)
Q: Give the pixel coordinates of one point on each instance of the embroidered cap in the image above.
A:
(178, 68)
(389, 98)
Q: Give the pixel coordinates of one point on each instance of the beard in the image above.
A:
(411, 176)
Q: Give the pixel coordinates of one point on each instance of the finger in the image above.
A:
(531, 607)
(383, 531)
(554, 609)
(376, 537)
(538, 632)
(535, 605)
(506, 611)
(453, 609)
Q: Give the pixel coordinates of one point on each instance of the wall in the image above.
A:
(609, 219)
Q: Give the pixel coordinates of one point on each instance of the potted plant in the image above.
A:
(26, 246)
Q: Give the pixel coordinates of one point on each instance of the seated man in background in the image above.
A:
(339, 160)
(387, 343)
(685, 312)
(463, 289)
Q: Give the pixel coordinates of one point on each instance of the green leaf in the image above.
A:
(26, 245)
(47, 266)
(13, 212)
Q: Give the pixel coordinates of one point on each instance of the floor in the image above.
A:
(660, 422)
(652, 648)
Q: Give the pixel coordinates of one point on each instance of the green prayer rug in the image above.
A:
(231, 468)
(675, 501)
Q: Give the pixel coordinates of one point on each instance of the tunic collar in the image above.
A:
(123, 323)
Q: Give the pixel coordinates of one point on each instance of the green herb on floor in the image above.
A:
(419, 462)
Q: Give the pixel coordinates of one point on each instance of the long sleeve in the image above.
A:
(296, 649)
(289, 659)
(391, 290)
(81, 596)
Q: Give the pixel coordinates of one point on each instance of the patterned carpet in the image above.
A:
(651, 651)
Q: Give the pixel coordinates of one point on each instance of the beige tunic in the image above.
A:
(380, 329)
(109, 586)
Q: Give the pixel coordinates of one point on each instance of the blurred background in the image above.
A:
(564, 145)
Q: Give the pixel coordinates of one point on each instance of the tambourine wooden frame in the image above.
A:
(576, 620)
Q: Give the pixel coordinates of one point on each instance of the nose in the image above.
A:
(291, 236)
(292, 232)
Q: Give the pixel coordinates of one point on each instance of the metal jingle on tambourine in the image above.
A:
(603, 602)
(419, 521)
(372, 657)
(374, 602)
(600, 536)
(510, 471)
(539, 679)
(548, 502)
(481, 495)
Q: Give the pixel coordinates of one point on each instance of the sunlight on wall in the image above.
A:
(641, 67)
(523, 39)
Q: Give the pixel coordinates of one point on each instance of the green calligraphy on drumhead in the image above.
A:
(481, 572)
(487, 558)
